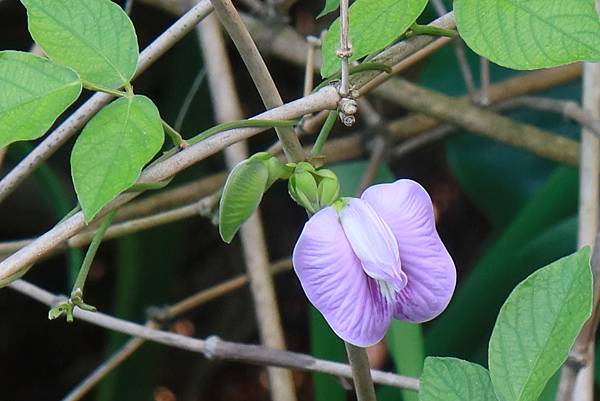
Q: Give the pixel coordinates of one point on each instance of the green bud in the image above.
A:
(302, 187)
(313, 189)
(328, 189)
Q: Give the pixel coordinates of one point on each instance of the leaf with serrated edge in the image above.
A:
(530, 34)
(373, 26)
(33, 93)
(112, 150)
(451, 379)
(537, 326)
(242, 193)
(94, 37)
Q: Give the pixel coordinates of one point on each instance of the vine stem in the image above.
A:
(345, 50)
(91, 252)
(259, 72)
(361, 373)
(324, 133)
(175, 136)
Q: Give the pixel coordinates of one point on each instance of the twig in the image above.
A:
(76, 121)
(227, 107)
(128, 6)
(309, 72)
(345, 50)
(199, 208)
(168, 312)
(421, 140)
(568, 108)
(484, 78)
(521, 85)
(577, 379)
(459, 51)
(405, 63)
(187, 102)
(173, 197)
(258, 71)
(378, 153)
(483, 122)
(378, 146)
(215, 348)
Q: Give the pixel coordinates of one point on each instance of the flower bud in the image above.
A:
(303, 188)
(328, 188)
(313, 189)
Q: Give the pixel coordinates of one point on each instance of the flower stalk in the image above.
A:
(361, 372)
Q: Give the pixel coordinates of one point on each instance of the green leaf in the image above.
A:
(242, 193)
(112, 150)
(530, 34)
(538, 325)
(450, 379)
(94, 37)
(33, 93)
(330, 5)
(373, 26)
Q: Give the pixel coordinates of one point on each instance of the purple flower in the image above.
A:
(373, 259)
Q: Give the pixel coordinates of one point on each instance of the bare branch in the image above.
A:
(215, 348)
(168, 312)
(228, 108)
(258, 71)
(78, 119)
(567, 108)
(577, 379)
(483, 122)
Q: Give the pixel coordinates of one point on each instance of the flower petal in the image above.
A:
(335, 283)
(373, 242)
(407, 209)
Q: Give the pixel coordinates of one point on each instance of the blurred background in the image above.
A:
(502, 213)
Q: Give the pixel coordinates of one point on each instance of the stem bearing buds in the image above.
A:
(313, 189)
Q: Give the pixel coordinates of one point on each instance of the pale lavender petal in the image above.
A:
(373, 242)
(335, 283)
(406, 207)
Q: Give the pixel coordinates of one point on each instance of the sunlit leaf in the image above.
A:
(33, 93)
(112, 150)
(94, 37)
(538, 325)
(373, 26)
(529, 34)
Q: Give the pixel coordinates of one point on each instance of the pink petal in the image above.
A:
(335, 283)
(373, 242)
(407, 209)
